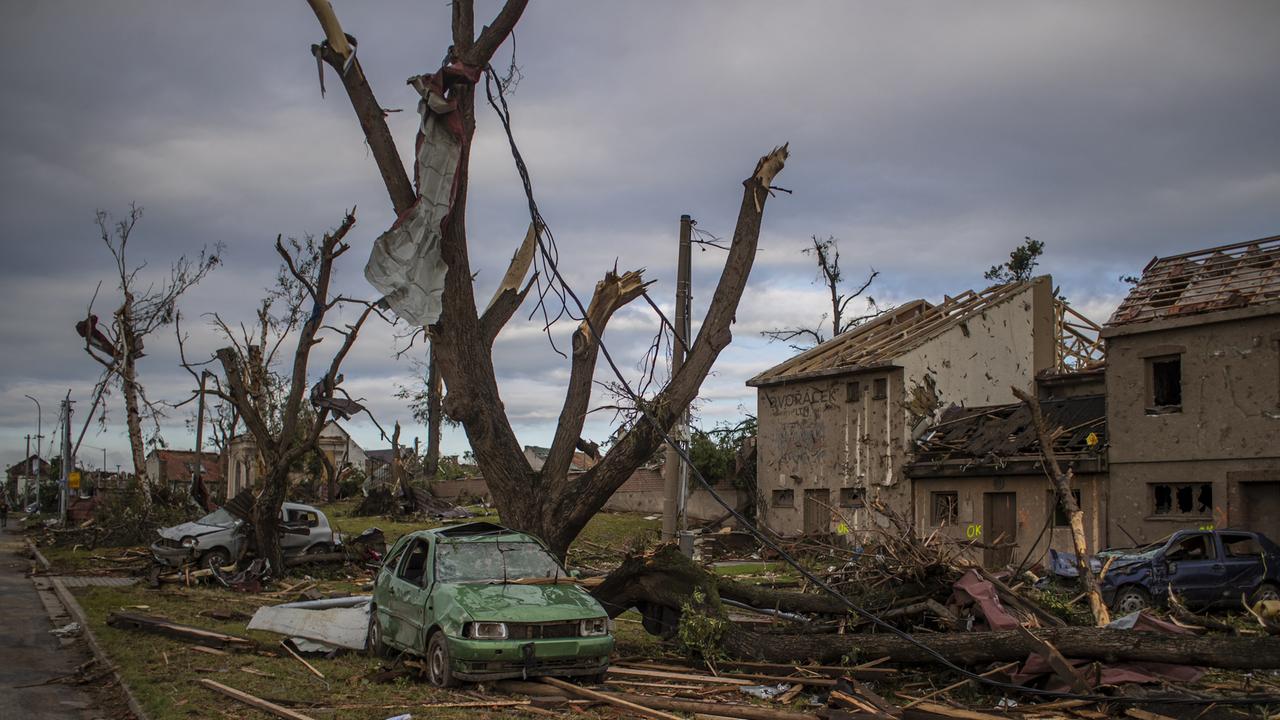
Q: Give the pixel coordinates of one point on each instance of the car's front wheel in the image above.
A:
(1131, 599)
(215, 559)
(439, 664)
(376, 647)
(1266, 591)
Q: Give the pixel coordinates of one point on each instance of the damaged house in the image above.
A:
(1193, 394)
(838, 422)
(978, 474)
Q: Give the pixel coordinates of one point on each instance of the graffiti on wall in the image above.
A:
(801, 403)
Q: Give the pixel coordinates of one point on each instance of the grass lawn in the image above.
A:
(163, 672)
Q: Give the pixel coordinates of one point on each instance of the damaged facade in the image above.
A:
(978, 474)
(837, 422)
(1193, 394)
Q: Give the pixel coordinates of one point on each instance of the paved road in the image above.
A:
(29, 654)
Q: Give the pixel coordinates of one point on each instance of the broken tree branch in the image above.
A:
(1062, 485)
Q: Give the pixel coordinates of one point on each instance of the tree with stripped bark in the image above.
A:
(545, 502)
(146, 305)
(827, 254)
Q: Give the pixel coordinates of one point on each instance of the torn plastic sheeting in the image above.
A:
(973, 589)
(406, 265)
(343, 627)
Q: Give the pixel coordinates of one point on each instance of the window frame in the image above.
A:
(880, 389)
(1057, 507)
(859, 499)
(404, 559)
(1173, 513)
(1153, 385)
(781, 492)
(935, 519)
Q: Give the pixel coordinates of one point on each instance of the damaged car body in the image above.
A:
(1203, 568)
(220, 538)
(482, 602)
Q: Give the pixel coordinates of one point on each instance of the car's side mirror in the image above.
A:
(575, 573)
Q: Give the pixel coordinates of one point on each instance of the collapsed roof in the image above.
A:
(997, 436)
(1228, 276)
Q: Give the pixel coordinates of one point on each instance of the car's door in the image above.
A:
(1243, 563)
(407, 596)
(382, 586)
(1195, 570)
(296, 536)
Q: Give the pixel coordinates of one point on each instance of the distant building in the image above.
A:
(20, 477)
(838, 423)
(176, 468)
(245, 466)
(1193, 394)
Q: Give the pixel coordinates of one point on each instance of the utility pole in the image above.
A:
(197, 480)
(67, 459)
(675, 475)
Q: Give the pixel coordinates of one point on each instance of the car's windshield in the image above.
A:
(489, 561)
(219, 518)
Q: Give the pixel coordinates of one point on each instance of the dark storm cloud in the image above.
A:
(929, 137)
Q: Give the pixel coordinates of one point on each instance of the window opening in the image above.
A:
(784, 498)
(946, 508)
(1193, 499)
(1059, 517)
(881, 389)
(853, 497)
(1166, 383)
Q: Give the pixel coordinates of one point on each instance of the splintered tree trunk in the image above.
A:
(1062, 486)
(133, 420)
(266, 517)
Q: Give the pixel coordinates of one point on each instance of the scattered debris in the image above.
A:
(168, 628)
(69, 630)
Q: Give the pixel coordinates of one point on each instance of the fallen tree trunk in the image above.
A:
(1104, 644)
(663, 583)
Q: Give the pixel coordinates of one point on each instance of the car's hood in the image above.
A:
(190, 529)
(524, 603)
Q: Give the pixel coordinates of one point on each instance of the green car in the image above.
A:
(483, 602)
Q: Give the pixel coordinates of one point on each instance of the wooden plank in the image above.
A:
(933, 711)
(168, 628)
(688, 677)
(252, 701)
(1139, 714)
(612, 700)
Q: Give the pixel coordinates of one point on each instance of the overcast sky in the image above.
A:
(930, 138)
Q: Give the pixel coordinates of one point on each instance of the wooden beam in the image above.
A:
(611, 699)
(254, 702)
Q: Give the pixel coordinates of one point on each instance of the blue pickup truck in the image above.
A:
(1204, 568)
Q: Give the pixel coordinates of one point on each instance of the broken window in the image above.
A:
(1165, 384)
(853, 497)
(946, 508)
(881, 389)
(1193, 499)
(1059, 517)
(784, 498)
(415, 563)
(1240, 546)
(852, 392)
(1195, 547)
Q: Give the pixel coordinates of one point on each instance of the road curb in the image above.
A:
(73, 608)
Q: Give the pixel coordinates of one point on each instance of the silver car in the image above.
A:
(219, 538)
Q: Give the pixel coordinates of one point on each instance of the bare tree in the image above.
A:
(546, 503)
(145, 307)
(827, 254)
(271, 404)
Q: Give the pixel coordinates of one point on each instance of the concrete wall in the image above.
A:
(817, 433)
(465, 488)
(1227, 430)
(1034, 500)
